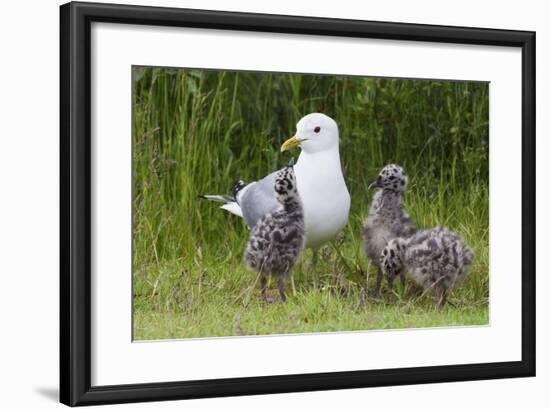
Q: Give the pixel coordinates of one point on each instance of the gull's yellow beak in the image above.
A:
(291, 143)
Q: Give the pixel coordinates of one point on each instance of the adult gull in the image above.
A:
(320, 183)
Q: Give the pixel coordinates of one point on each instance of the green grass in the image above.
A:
(197, 131)
(305, 313)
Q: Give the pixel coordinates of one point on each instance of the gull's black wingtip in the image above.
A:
(238, 185)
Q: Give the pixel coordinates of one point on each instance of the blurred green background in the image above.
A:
(197, 131)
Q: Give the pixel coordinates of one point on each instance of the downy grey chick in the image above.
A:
(386, 219)
(436, 259)
(278, 238)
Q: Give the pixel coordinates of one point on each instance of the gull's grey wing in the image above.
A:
(258, 199)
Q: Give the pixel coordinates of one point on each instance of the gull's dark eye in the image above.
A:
(317, 129)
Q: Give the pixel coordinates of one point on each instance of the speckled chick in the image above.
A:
(387, 218)
(278, 238)
(436, 259)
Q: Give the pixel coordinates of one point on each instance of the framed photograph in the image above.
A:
(257, 204)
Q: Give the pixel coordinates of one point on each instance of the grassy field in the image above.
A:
(195, 132)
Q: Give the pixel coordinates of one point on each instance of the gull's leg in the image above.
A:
(368, 268)
(282, 287)
(391, 278)
(288, 272)
(441, 294)
(402, 279)
(379, 276)
(263, 286)
(314, 259)
(367, 274)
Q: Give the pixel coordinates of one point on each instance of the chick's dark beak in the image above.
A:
(374, 185)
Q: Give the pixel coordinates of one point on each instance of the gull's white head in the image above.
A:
(314, 132)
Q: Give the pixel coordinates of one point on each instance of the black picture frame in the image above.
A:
(76, 199)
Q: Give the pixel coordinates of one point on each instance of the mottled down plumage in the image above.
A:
(436, 259)
(387, 218)
(277, 239)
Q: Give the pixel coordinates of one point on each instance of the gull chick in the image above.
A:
(436, 259)
(386, 219)
(277, 239)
